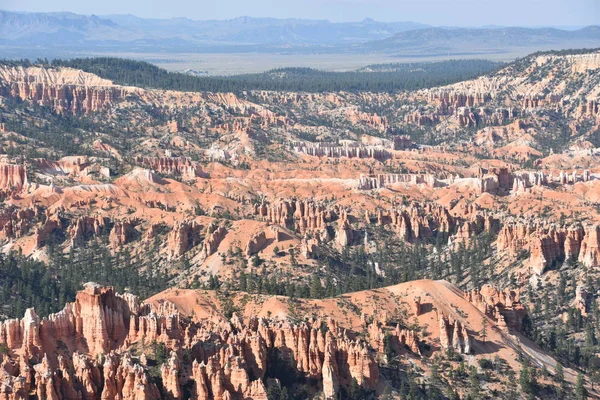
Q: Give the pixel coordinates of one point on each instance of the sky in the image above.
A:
(435, 12)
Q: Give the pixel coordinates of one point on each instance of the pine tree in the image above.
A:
(484, 330)
(354, 392)
(525, 378)
(581, 392)
(316, 290)
(243, 282)
(512, 392)
(474, 382)
(594, 376)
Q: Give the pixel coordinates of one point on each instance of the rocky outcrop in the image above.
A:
(214, 236)
(401, 339)
(573, 242)
(544, 245)
(402, 142)
(374, 121)
(13, 178)
(504, 307)
(64, 90)
(349, 151)
(303, 215)
(183, 236)
(344, 233)
(546, 249)
(370, 182)
(473, 117)
(521, 181)
(72, 166)
(588, 109)
(549, 245)
(418, 222)
(537, 101)
(181, 167)
(454, 335)
(581, 299)
(82, 352)
(420, 118)
(170, 377)
(83, 228)
(121, 233)
(98, 320)
(448, 100)
(256, 243)
(476, 225)
(589, 254)
(331, 384)
(412, 222)
(81, 378)
(43, 232)
(16, 223)
(276, 213)
(308, 247)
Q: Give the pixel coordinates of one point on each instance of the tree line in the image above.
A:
(385, 78)
(25, 282)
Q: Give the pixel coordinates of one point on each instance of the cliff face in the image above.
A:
(84, 227)
(504, 307)
(185, 234)
(550, 244)
(305, 215)
(332, 151)
(72, 352)
(65, 91)
(15, 223)
(176, 166)
(454, 335)
(82, 352)
(12, 177)
(121, 233)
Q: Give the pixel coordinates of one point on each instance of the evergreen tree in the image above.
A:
(316, 290)
(484, 330)
(581, 392)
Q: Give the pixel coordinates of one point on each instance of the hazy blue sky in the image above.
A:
(436, 12)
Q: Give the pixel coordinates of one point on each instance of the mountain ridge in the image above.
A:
(120, 33)
(473, 40)
(196, 31)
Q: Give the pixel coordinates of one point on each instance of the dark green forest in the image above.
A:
(25, 282)
(388, 78)
(354, 269)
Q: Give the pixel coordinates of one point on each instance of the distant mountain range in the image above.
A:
(79, 34)
(457, 41)
(68, 29)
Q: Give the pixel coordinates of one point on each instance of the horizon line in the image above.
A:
(365, 19)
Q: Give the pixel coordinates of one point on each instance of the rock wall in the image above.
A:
(316, 150)
(16, 223)
(454, 335)
(305, 215)
(121, 233)
(370, 182)
(549, 245)
(214, 236)
(82, 352)
(83, 227)
(13, 178)
(183, 236)
(65, 91)
(175, 166)
(504, 307)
